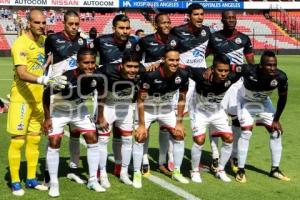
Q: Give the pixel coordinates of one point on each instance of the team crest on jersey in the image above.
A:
(238, 69)
(146, 86)
(203, 33)
(274, 83)
(177, 80)
(93, 83)
(20, 127)
(227, 83)
(173, 43)
(22, 54)
(238, 41)
(128, 45)
(80, 41)
(137, 47)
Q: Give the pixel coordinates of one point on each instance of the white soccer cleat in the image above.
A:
(137, 180)
(125, 178)
(17, 189)
(104, 180)
(19, 192)
(54, 190)
(195, 176)
(94, 185)
(74, 177)
(223, 176)
(178, 177)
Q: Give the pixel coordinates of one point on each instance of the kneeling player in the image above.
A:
(254, 104)
(116, 107)
(155, 104)
(68, 108)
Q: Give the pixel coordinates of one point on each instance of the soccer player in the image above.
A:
(62, 48)
(111, 48)
(155, 99)
(208, 112)
(253, 103)
(67, 107)
(25, 114)
(237, 46)
(116, 107)
(153, 48)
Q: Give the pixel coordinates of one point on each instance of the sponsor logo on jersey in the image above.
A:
(196, 53)
(203, 33)
(218, 39)
(128, 45)
(274, 83)
(61, 41)
(146, 86)
(173, 43)
(72, 63)
(80, 41)
(238, 41)
(177, 80)
(157, 81)
(227, 83)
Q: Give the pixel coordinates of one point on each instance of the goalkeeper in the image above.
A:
(25, 114)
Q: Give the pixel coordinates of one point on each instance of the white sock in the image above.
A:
(178, 152)
(117, 146)
(145, 154)
(126, 151)
(243, 146)
(103, 141)
(163, 146)
(74, 147)
(276, 148)
(196, 152)
(137, 156)
(226, 150)
(214, 146)
(53, 162)
(236, 135)
(93, 158)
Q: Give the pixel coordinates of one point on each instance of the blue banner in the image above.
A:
(165, 4)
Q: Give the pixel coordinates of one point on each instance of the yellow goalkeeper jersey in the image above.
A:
(31, 54)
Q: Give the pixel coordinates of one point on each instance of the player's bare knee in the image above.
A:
(200, 140)
(54, 142)
(228, 138)
(90, 137)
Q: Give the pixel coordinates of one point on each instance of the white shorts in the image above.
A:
(218, 121)
(230, 99)
(121, 115)
(260, 112)
(166, 120)
(189, 97)
(78, 119)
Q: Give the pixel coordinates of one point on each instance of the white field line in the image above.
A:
(154, 179)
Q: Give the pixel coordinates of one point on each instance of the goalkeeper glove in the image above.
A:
(58, 82)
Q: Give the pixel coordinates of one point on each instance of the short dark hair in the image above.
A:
(266, 54)
(169, 48)
(194, 6)
(121, 17)
(226, 11)
(220, 58)
(139, 31)
(70, 13)
(158, 15)
(85, 51)
(130, 56)
(93, 33)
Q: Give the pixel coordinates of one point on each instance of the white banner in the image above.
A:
(271, 5)
(63, 3)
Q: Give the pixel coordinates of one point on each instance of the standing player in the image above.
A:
(155, 104)
(67, 107)
(63, 47)
(117, 107)
(111, 48)
(25, 114)
(253, 103)
(153, 48)
(237, 46)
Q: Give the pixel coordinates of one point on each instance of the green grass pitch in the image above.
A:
(259, 185)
